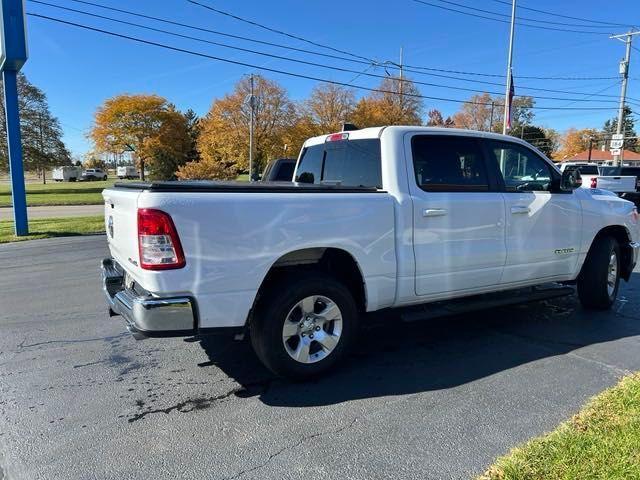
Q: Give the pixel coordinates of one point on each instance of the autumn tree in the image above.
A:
(325, 111)
(575, 141)
(149, 126)
(224, 138)
(92, 161)
(42, 144)
(395, 102)
(478, 113)
(437, 120)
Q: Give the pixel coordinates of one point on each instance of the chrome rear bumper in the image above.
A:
(146, 315)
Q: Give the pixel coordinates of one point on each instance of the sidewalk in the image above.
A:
(6, 213)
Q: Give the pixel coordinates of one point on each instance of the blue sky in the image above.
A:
(79, 69)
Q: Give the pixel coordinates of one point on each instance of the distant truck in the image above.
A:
(91, 174)
(66, 174)
(128, 172)
(594, 176)
(280, 170)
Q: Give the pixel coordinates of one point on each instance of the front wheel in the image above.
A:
(304, 326)
(599, 279)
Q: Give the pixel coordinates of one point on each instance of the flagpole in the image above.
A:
(507, 100)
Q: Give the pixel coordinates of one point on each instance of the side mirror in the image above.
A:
(571, 179)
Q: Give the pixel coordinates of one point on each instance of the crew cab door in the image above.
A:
(543, 223)
(458, 214)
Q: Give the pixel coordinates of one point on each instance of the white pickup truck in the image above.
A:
(592, 177)
(376, 218)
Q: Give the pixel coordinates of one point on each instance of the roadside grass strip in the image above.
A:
(53, 227)
(66, 193)
(602, 441)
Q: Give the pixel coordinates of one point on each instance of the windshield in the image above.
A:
(350, 163)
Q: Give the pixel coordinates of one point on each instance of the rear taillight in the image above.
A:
(594, 182)
(158, 241)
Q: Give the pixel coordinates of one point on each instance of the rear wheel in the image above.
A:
(599, 280)
(305, 326)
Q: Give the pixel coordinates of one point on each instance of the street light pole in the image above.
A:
(507, 101)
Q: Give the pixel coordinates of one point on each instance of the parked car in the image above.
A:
(593, 176)
(128, 172)
(280, 170)
(66, 174)
(91, 174)
(378, 218)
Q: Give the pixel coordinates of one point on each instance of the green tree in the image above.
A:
(42, 144)
(193, 131)
(628, 129)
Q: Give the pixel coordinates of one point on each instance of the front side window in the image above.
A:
(522, 169)
(446, 163)
(349, 163)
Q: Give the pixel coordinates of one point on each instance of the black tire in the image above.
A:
(104, 178)
(593, 282)
(273, 309)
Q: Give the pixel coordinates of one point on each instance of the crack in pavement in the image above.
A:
(202, 403)
(618, 370)
(21, 345)
(291, 447)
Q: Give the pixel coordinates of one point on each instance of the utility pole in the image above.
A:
(507, 102)
(624, 71)
(252, 104)
(401, 83)
(590, 149)
(493, 104)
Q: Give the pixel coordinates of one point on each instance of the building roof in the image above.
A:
(601, 156)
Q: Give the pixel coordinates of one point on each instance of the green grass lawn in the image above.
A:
(601, 442)
(63, 193)
(53, 227)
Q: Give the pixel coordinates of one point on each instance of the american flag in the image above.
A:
(512, 92)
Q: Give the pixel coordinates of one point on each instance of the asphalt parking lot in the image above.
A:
(81, 399)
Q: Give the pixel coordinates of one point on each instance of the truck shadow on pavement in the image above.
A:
(395, 358)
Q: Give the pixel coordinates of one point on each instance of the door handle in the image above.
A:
(520, 209)
(434, 212)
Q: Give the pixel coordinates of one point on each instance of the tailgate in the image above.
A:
(121, 222)
(617, 184)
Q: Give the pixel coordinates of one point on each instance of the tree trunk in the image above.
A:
(44, 176)
(142, 170)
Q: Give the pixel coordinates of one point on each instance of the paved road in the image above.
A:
(79, 398)
(6, 213)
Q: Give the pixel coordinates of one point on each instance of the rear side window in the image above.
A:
(584, 169)
(446, 163)
(285, 172)
(350, 163)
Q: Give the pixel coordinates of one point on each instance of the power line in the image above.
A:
(504, 21)
(305, 62)
(549, 22)
(347, 59)
(545, 12)
(279, 32)
(279, 71)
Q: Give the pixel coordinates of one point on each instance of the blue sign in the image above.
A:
(13, 54)
(13, 38)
